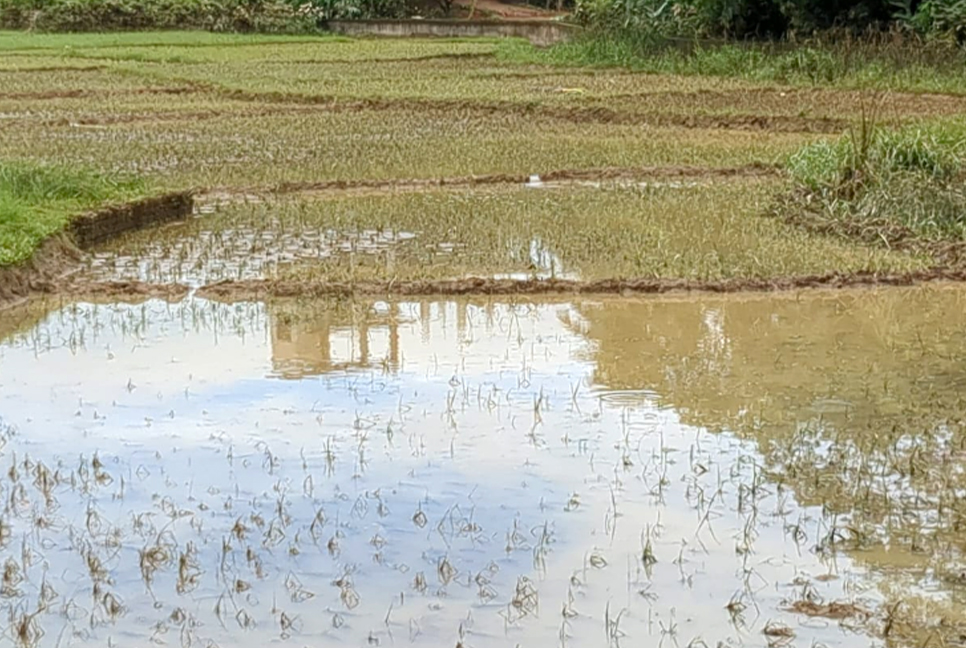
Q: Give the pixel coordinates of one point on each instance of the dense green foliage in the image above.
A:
(265, 16)
(773, 18)
(36, 202)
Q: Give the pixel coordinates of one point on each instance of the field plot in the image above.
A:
(200, 450)
(244, 116)
(541, 231)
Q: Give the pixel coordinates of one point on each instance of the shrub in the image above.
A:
(215, 15)
(910, 180)
(946, 17)
(772, 18)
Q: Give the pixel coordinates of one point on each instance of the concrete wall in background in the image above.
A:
(538, 32)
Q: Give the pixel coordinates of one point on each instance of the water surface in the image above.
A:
(758, 471)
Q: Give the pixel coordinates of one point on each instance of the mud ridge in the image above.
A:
(125, 291)
(771, 123)
(298, 104)
(397, 59)
(59, 255)
(260, 289)
(754, 170)
(87, 93)
(54, 68)
(45, 270)
(105, 223)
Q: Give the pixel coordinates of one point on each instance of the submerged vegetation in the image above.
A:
(363, 471)
(547, 231)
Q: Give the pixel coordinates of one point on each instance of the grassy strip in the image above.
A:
(901, 189)
(61, 43)
(940, 68)
(37, 202)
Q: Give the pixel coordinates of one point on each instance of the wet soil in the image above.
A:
(257, 289)
(42, 273)
(772, 123)
(103, 224)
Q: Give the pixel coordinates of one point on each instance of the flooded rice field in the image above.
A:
(767, 471)
(510, 231)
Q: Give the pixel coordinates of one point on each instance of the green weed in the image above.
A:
(892, 186)
(911, 67)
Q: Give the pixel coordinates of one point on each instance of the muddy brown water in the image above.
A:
(592, 471)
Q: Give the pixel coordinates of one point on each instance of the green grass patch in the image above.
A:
(899, 187)
(937, 68)
(37, 202)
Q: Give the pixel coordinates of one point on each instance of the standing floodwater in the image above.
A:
(765, 471)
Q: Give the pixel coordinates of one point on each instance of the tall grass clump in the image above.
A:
(897, 62)
(902, 186)
(38, 201)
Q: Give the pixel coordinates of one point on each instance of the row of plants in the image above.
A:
(264, 16)
(775, 18)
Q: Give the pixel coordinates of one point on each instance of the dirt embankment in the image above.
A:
(261, 289)
(575, 114)
(55, 258)
(104, 224)
(48, 269)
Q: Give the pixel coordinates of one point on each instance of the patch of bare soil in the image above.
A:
(303, 104)
(85, 92)
(268, 104)
(53, 68)
(42, 273)
(506, 10)
(125, 291)
(555, 178)
(754, 170)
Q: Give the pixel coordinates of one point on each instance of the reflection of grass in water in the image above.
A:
(709, 232)
(856, 402)
(836, 462)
